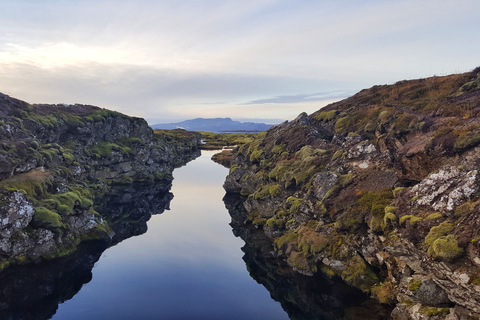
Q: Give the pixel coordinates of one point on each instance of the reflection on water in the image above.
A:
(187, 266)
(34, 291)
(302, 297)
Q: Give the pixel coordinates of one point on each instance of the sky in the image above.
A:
(261, 60)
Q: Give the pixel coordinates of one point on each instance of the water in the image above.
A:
(188, 265)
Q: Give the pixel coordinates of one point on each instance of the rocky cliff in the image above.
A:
(61, 166)
(380, 190)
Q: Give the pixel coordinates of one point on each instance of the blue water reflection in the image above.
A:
(187, 266)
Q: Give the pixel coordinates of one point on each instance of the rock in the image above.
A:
(65, 158)
(361, 183)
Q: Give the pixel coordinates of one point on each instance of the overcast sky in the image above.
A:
(266, 59)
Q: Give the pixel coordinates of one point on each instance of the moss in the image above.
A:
(34, 183)
(342, 124)
(233, 168)
(390, 209)
(255, 155)
(446, 248)
(300, 262)
(327, 270)
(405, 218)
(433, 216)
(275, 223)
(69, 158)
(432, 311)
(104, 150)
(47, 218)
(413, 221)
(414, 284)
(359, 274)
(464, 209)
(325, 115)
(375, 202)
(259, 221)
(376, 224)
(288, 237)
(385, 293)
(294, 203)
(435, 233)
(338, 155)
(310, 242)
(344, 179)
(278, 149)
(389, 216)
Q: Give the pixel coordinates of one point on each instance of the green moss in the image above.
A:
(278, 149)
(104, 149)
(344, 179)
(432, 311)
(464, 209)
(327, 270)
(433, 216)
(376, 224)
(325, 115)
(312, 243)
(445, 248)
(342, 124)
(275, 223)
(294, 203)
(389, 216)
(435, 233)
(47, 218)
(339, 154)
(288, 237)
(299, 261)
(255, 155)
(415, 220)
(259, 221)
(405, 218)
(390, 209)
(233, 168)
(414, 284)
(359, 274)
(69, 158)
(375, 202)
(265, 191)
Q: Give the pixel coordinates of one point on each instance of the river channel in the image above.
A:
(188, 265)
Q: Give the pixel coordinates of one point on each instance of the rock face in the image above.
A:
(60, 164)
(380, 190)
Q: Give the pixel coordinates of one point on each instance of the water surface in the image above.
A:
(188, 265)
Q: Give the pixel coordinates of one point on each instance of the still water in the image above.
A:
(188, 265)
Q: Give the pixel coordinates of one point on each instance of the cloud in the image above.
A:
(189, 58)
(304, 97)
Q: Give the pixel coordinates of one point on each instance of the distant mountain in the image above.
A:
(214, 125)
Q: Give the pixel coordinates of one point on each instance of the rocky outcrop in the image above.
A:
(60, 163)
(379, 190)
(34, 291)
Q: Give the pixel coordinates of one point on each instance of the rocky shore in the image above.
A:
(62, 167)
(380, 190)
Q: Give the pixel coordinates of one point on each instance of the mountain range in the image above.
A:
(214, 125)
